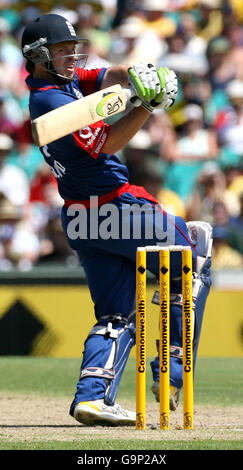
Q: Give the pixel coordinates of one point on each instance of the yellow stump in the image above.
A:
(164, 328)
(187, 337)
(141, 339)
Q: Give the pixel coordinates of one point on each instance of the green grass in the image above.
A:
(39, 375)
(217, 381)
(103, 444)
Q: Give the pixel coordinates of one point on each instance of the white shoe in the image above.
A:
(174, 395)
(98, 413)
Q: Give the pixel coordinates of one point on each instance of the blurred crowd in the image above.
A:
(190, 158)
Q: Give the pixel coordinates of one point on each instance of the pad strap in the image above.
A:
(106, 330)
(175, 299)
(97, 372)
(175, 351)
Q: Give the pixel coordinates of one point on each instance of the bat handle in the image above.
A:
(129, 92)
(131, 96)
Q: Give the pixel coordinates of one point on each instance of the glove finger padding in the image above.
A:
(162, 72)
(144, 80)
(167, 98)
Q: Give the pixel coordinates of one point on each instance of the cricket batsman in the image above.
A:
(93, 184)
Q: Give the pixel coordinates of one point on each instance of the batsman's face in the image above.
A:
(64, 58)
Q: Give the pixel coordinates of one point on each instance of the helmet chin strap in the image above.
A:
(58, 78)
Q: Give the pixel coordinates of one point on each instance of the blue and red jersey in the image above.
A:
(77, 161)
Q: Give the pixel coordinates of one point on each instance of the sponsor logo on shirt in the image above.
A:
(101, 143)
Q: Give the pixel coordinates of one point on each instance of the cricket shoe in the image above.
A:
(174, 395)
(98, 413)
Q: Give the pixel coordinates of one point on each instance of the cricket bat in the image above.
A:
(78, 114)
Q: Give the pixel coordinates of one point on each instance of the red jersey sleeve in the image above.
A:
(92, 138)
(88, 79)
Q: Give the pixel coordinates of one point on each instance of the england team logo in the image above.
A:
(71, 28)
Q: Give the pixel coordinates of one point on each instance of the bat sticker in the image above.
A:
(110, 104)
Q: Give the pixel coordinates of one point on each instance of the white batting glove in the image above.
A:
(144, 81)
(166, 98)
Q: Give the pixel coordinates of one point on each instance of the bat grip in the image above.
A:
(131, 96)
(129, 92)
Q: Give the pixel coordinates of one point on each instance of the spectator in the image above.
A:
(236, 181)
(43, 199)
(225, 62)
(43, 188)
(186, 52)
(188, 152)
(54, 246)
(229, 123)
(222, 219)
(236, 229)
(155, 18)
(232, 166)
(97, 50)
(13, 181)
(151, 178)
(236, 8)
(198, 90)
(224, 257)
(159, 126)
(122, 9)
(132, 42)
(211, 18)
(221, 215)
(19, 246)
(234, 33)
(8, 125)
(9, 51)
(211, 194)
(25, 154)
